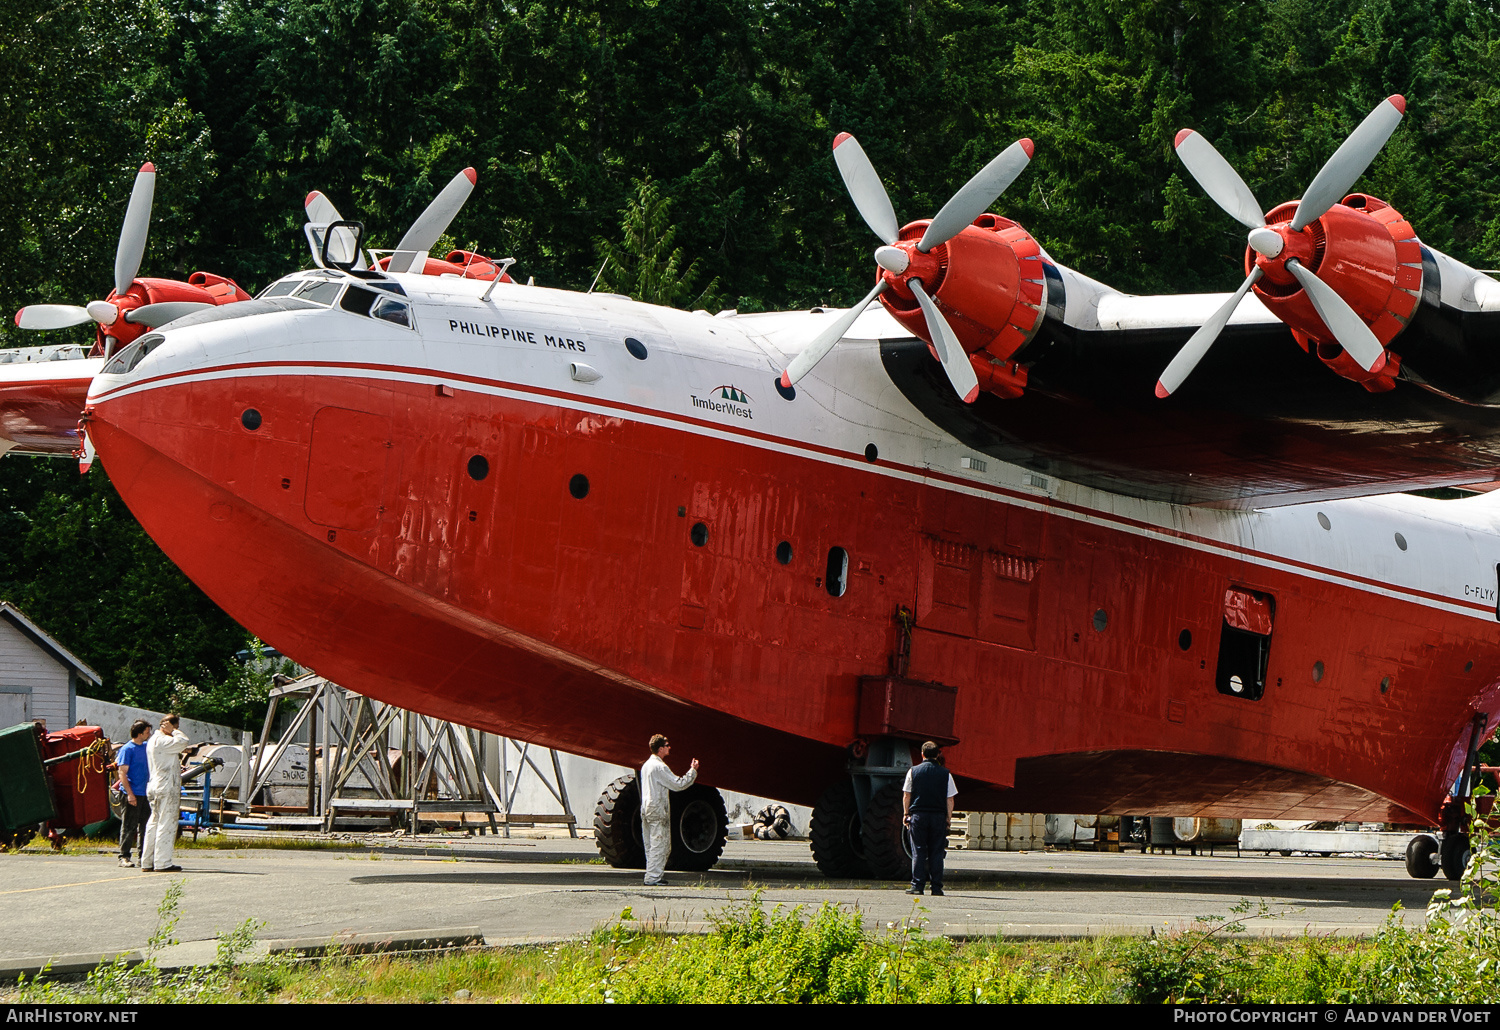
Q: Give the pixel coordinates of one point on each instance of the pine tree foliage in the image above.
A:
(645, 265)
(702, 126)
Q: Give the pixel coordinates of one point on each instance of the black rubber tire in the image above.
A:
(838, 844)
(887, 842)
(1454, 854)
(700, 826)
(617, 824)
(1163, 834)
(1420, 852)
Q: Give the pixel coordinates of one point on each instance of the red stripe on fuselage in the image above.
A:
(404, 374)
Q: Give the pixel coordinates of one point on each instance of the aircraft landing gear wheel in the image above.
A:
(700, 826)
(1422, 856)
(838, 844)
(617, 824)
(1454, 854)
(887, 842)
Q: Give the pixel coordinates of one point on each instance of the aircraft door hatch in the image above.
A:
(1245, 643)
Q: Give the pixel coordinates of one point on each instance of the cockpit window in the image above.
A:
(320, 291)
(357, 300)
(280, 289)
(392, 310)
(360, 301)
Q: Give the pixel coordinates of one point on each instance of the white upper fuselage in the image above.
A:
(716, 376)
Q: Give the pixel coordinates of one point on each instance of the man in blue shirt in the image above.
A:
(133, 775)
(927, 804)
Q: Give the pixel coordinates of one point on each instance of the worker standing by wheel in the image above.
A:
(657, 783)
(927, 807)
(164, 754)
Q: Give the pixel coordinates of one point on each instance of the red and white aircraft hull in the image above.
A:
(346, 525)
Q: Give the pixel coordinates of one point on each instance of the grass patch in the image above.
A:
(829, 955)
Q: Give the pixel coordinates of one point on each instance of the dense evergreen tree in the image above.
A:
(726, 106)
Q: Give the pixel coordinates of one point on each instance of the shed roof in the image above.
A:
(42, 639)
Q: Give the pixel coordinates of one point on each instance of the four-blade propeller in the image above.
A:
(874, 205)
(1224, 185)
(128, 254)
(419, 239)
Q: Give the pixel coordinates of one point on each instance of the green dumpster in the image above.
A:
(25, 793)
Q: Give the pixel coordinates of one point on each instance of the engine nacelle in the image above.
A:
(463, 263)
(200, 288)
(989, 283)
(1369, 255)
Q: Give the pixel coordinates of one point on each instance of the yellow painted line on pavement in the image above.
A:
(60, 886)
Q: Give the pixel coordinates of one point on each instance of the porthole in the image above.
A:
(1323, 521)
(1317, 672)
(1101, 620)
(479, 467)
(698, 534)
(578, 486)
(787, 392)
(1185, 640)
(1401, 541)
(784, 552)
(1385, 684)
(636, 348)
(250, 419)
(872, 452)
(837, 580)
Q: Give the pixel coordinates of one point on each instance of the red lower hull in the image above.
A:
(346, 531)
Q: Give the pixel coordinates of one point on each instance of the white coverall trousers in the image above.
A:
(656, 828)
(161, 829)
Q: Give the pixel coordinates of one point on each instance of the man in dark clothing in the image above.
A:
(133, 773)
(927, 804)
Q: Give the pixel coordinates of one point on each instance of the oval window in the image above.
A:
(837, 580)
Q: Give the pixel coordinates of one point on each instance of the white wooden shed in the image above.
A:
(39, 678)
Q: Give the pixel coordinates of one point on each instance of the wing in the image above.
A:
(41, 401)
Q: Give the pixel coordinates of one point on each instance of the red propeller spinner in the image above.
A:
(1343, 274)
(135, 305)
(984, 271)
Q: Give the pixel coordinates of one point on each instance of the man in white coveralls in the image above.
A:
(656, 811)
(164, 757)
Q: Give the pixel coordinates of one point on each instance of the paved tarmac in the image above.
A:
(530, 891)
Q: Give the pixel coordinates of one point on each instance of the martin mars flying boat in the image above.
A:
(993, 509)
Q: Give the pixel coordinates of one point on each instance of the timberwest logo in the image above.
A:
(725, 400)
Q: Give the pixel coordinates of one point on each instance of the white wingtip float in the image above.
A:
(575, 519)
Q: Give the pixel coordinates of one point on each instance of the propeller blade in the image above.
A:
(161, 313)
(815, 352)
(1347, 327)
(1349, 161)
(952, 354)
(133, 233)
(433, 222)
(1219, 179)
(51, 316)
(865, 188)
(976, 195)
(320, 209)
(1192, 352)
